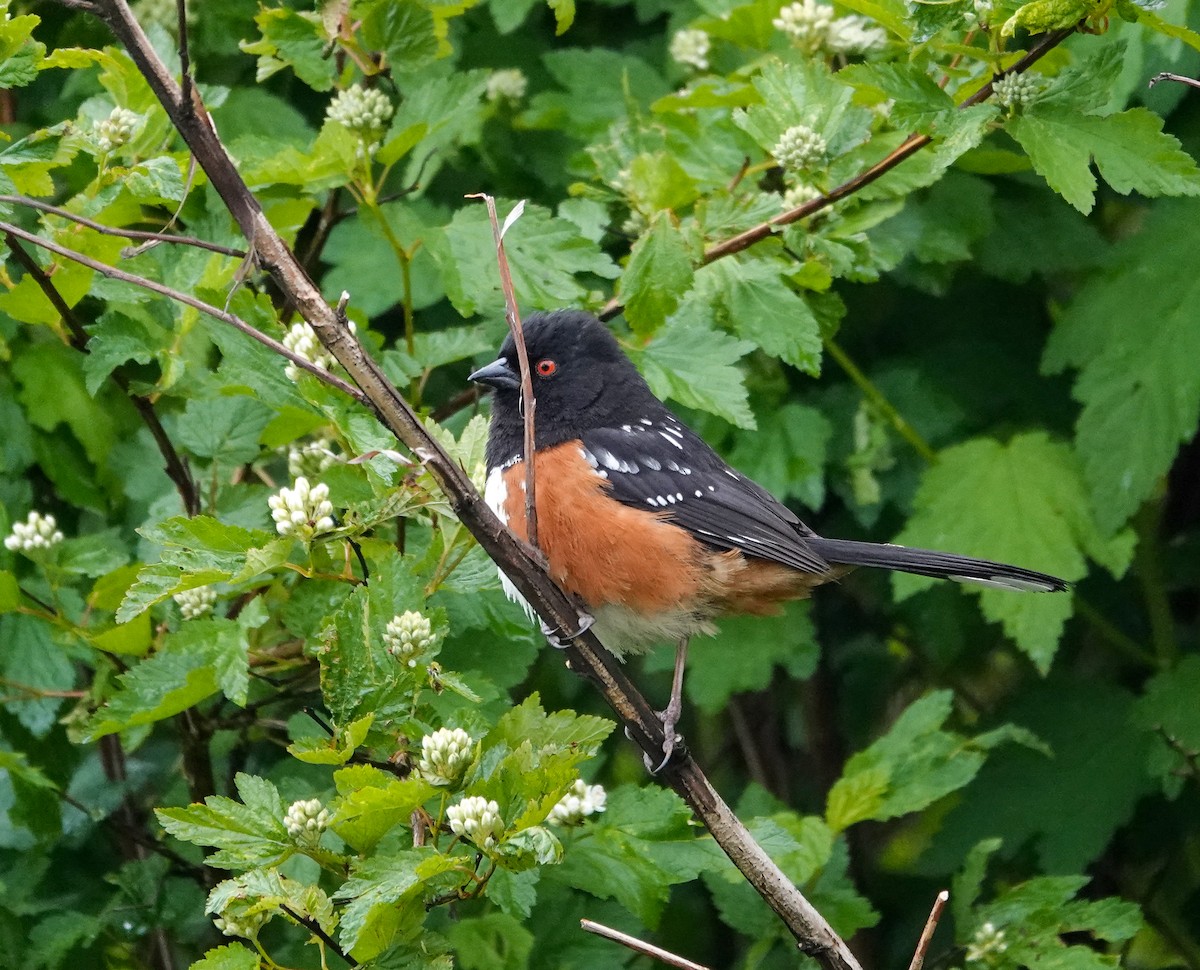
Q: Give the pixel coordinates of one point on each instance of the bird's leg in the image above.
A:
(670, 716)
(561, 639)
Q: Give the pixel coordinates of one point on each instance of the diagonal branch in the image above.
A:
(586, 654)
(910, 146)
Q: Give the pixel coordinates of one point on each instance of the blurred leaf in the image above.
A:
(659, 272)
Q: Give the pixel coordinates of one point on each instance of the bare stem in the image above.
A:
(939, 904)
(640, 946)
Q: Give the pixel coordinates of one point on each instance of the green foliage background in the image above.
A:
(992, 349)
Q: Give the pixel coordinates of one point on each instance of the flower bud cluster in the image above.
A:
(310, 459)
(988, 943)
(195, 603)
(814, 29)
(508, 84)
(408, 636)
(302, 341)
(445, 756)
(245, 925)
(800, 148)
(365, 111)
(476, 819)
(797, 195)
(1016, 90)
(36, 532)
(117, 129)
(690, 48)
(303, 510)
(580, 801)
(306, 820)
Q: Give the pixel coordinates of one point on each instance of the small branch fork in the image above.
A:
(585, 653)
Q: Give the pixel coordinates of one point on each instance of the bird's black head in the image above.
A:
(581, 380)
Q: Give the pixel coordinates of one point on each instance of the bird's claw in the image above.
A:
(672, 741)
(560, 640)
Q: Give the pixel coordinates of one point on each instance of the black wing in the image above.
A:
(660, 464)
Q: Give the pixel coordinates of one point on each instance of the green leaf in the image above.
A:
(369, 921)
(909, 768)
(249, 833)
(804, 93)
(1023, 503)
(32, 663)
(1096, 778)
(156, 180)
(403, 30)
(659, 273)
(760, 306)
(1131, 333)
(1130, 149)
(1168, 709)
(223, 428)
(371, 806)
(546, 255)
(10, 592)
(232, 956)
(493, 940)
(295, 40)
(202, 658)
(695, 366)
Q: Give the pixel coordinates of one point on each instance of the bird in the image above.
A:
(646, 525)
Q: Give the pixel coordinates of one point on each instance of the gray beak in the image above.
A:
(497, 374)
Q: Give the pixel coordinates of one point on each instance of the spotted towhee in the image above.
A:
(642, 521)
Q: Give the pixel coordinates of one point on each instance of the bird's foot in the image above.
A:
(559, 639)
(672, 742)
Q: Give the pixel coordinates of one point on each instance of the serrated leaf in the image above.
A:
(1130, 149)
(232, 956)
(226, 429)
(760, 306)
(659, 273)
(1140, 394)
(695, 366)
(248, 834)
(296, 40)
(376, 884)
(804, 92)
(366, 814)
(1024, 503)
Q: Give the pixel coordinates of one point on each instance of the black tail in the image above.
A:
(926, 562)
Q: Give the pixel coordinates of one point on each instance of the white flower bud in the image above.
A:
(798, 194)
(245, 925)
(303, 510)
(445, 756)
(36, 532)
(408, 636)
(854, 35)
(310, 459)
(306, 820)
(800, 148)
(478, 820)
(365, 111)
(195, 603)
(580, 801)
(117, 129)
(508, 84)
(988, 943)
(690, 48)
(806, 23)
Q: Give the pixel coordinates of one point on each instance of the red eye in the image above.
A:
(546, 367)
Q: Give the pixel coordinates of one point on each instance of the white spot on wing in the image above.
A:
(667, 437)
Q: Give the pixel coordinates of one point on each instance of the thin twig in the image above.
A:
(513, 315)
(935, 914)
(185, 59)
(910, 146)
(314, 927)
(234, 321)
(27, 202)
(640, 946)
(1167, 76)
